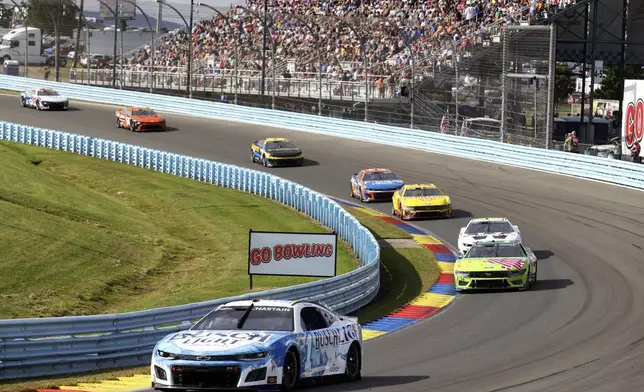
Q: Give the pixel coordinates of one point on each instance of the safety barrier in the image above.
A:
(61, 345)
(579, 165)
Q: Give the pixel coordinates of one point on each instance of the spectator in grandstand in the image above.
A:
(432, 29)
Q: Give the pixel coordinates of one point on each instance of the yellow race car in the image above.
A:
(421, 201)
(276, 151)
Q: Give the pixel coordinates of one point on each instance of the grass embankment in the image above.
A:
(188, 216)
(405, 273)
(85, 236)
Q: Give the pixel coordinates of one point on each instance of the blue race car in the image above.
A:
(375, 185)
(258, 344)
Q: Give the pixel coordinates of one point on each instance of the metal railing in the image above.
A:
(224, 82)
(63, 345)
(585, 166)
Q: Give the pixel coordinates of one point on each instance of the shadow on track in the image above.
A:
(337, 384)
(541, 285)
(551, 284)
(543, 254)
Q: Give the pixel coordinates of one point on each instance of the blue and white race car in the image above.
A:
(43, 99)
(258, 344)
(375, 185)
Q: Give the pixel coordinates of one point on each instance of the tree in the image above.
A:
(611, 87)
(564, 82)
(49, 14)
(78, 33)
(6, 14)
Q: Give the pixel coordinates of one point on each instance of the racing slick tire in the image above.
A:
(252, 156)
(531, 279)
(361, 197)
(264, 162)
(290, 371)
(118, 123)
(133, 127)
(38, 105)
(22, 102)
(353, 370)
(353, 195)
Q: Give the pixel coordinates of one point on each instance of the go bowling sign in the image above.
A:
(292, 254)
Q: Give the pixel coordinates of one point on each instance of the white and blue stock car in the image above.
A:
(259, 344)
(43, 99)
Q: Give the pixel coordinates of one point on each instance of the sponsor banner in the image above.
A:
(633, 114)
(292, 254)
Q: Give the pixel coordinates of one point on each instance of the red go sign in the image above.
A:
(634, 122)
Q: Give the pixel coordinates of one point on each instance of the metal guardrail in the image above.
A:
(248, 84)
(578, 165)
(62, 345)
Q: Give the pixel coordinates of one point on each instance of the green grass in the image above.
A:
(85, 236)
(55, 382)
(38, 72)
(378, 227)
(404, 275)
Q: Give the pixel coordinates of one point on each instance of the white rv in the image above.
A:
(13, 47)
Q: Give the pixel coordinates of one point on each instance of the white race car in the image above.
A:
(43, 99)
(259, 343)
(487, 229)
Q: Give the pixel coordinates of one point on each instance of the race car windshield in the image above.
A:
(489, 227)
(48, 93)
(382, 176)
(279, 145)
(422, 192)
(143, 112)
(495, 250)
(264, 318)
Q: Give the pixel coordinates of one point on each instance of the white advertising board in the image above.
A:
(633, 114)
(292, 254)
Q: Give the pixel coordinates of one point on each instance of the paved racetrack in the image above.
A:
(580, 328)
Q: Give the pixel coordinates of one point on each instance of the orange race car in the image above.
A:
(139, 119)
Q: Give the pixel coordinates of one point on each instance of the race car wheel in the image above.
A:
(264, 161)
(22, 102)
(252, 156)
(132, 127)
(533, 279)
(290, 371)
(363, 197)
(353, 370)
(352, 193)
(393, 210)
(118, 123)
(38, 105)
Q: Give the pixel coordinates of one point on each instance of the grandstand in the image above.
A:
(365, 48)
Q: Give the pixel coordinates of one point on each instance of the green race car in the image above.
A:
(496, 265)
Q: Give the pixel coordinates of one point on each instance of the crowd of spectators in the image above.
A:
(353, 37)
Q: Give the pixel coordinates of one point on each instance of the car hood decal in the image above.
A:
(425, 201)
(385, 184)
(219, 342)
(491, 264)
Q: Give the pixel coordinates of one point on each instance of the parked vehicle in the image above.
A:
(13, 48)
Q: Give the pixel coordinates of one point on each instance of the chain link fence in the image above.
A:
(500, 89)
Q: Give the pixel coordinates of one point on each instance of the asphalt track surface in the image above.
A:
(580, 328)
